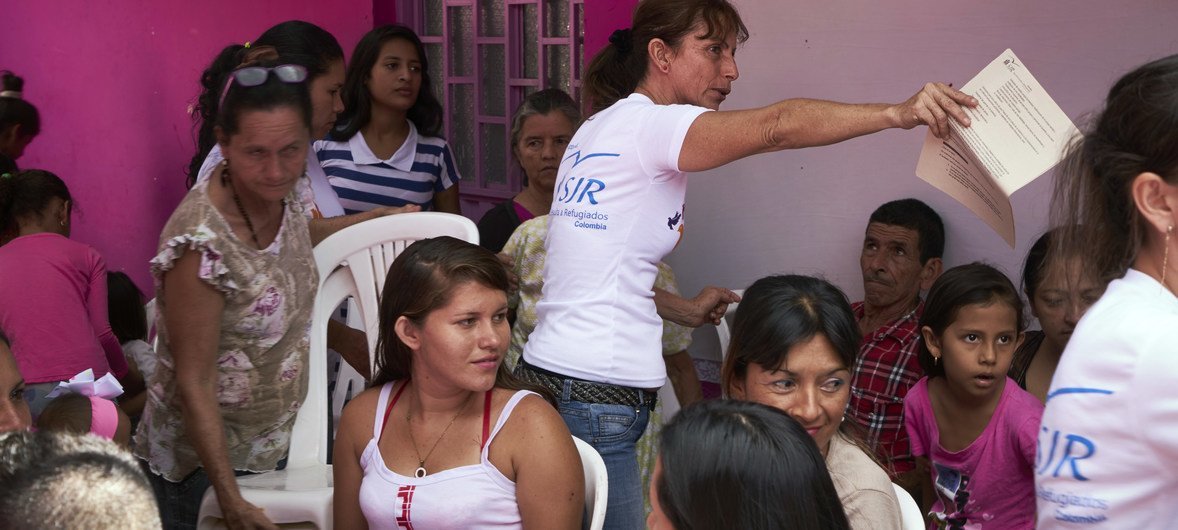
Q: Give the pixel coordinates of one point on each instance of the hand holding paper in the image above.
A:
(1016, 133)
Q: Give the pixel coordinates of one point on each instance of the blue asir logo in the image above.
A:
(584, 188)
(577, 158)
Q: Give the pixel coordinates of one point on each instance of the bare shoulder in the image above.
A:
(533, 418)
(360, 411)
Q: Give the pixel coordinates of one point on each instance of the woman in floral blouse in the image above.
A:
(235, 280)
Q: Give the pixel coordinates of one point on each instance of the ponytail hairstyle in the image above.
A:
(426, 113)
(621, 65)
(26, 195)
(296, 41)
(15, 111)
(1093, 203)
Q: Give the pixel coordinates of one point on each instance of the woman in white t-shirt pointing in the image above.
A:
(618, 209)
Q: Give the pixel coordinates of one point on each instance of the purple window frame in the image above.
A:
(480, 189)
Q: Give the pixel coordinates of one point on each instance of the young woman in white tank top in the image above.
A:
(446, 437)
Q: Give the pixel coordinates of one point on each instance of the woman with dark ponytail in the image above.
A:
(52, 290)
(620, 190)
(19, 122)
(315, 49)
(1109, 427)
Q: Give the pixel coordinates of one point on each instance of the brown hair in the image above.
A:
(421, 280)
(621, 65)
(1093, 203)
(69, 413)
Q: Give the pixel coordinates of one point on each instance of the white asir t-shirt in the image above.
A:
(1108, 444)
(616, 212)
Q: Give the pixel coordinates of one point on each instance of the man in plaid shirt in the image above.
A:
(901, 256)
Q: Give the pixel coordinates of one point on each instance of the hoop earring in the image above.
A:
(1166, 255)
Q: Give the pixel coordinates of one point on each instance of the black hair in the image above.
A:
(426, 113)
(1035, 267)
(128, 318)
(296, 41)
(271, 94)
(738, 464)
(428, 271)
(15, 110)
(919, 217)
(777, 313)
(25, 195)
(974, 283)
(621, 65)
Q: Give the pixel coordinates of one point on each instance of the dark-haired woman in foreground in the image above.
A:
(794, 340)
(447, 437)
(735, 464)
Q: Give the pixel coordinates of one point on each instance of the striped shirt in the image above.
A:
(422, 167)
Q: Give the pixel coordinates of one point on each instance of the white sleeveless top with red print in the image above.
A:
(473, 496)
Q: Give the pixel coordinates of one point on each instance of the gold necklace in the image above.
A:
(420, 471)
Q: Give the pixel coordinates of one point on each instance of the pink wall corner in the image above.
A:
(113, 80)
(602, 17)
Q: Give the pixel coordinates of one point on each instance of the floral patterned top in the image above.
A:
(526, 247)
(264, 343)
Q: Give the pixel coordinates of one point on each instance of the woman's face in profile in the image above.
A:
(812, 385)
(14, 410)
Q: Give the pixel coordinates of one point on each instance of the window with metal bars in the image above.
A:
(485, 56)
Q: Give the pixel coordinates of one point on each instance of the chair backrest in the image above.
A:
(308, 443)
(910, 516)
(596, 484)
(364, 252)
(367, 250)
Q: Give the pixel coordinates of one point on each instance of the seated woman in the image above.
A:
(794, 340)
(235, 283)
(541, 128)
(53, 290)
(734, 464)
(447, 437)
(1059, 294)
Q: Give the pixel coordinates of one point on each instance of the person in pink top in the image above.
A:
(53, 290)
(972, 424)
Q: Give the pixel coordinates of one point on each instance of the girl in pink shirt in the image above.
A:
(974, 427)
(52, 289)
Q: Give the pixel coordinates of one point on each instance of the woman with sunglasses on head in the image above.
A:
(235, 282)
(315, 49)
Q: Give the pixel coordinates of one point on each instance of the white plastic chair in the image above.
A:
(596, 483)
(365, 251)
(910, 516)
(301, 493)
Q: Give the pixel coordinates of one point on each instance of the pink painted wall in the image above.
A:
(602, 17)
(113, 80)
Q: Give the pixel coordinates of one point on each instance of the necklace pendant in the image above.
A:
(420, 472)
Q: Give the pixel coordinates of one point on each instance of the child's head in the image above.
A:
(972, 323)
(80, 414)
(128, 318)
(14, 410)
(389, 70)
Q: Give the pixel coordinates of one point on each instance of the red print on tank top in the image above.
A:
(405, 493)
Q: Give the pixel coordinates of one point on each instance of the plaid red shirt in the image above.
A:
(886, 368)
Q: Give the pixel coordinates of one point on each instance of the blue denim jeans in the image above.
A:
(612, 430)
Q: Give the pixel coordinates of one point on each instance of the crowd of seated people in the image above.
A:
(488, 365)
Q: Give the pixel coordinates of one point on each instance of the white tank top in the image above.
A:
(474, 496)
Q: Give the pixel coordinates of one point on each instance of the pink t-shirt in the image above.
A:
(53, 309)
(989, 484)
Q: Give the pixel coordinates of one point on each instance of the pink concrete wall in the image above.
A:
(113, 81)
(602, 17)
